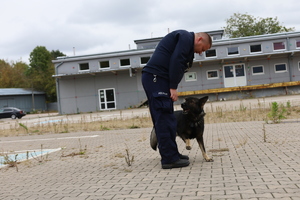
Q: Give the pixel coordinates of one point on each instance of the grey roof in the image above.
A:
(224, 41)
(102, 55)
(18, 91)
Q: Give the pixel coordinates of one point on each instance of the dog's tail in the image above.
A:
(153, 140)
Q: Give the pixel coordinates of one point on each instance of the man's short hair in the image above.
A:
(208, 37)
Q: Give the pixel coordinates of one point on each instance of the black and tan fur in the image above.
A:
(190, 124)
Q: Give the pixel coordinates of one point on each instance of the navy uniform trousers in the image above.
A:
(162, 113)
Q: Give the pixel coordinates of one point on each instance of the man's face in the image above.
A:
(201, 45)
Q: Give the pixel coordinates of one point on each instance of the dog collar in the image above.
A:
(198, 123)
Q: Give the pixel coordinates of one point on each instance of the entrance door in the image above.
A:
(107, 99)
(234, 75)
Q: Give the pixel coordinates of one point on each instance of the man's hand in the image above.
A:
(174, 95)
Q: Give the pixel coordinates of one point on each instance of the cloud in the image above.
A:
(93, 26)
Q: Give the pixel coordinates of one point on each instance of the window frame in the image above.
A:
(297, 42)
(83, 70)
(279, 49)
(125, 66)
(143, 64)
(259, 73)
(211, 78)
(187, 74)
(255, 51)
(211, 56)
(238, 51)
(104, 67)
(282, 70)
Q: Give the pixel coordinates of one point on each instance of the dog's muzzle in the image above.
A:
(184, 108)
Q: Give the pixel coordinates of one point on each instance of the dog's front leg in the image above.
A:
(201, 145)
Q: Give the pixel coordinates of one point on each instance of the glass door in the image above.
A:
(234, 75)
(107, 99)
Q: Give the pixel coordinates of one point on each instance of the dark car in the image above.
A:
(11, 112)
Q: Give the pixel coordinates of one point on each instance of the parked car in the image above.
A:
(11, 112)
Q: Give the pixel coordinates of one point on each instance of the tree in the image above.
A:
(41, 71)
(56, 54)
(20, 80)
(242, 25)
(13, 75)
(40, 59)
(5, 73)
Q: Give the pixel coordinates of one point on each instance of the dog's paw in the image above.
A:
(188, 147)
(209, 160)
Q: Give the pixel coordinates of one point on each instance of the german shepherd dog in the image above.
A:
(190, 124)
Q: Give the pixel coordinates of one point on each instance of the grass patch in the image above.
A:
(220, 114)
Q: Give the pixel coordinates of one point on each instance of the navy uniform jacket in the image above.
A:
(172, 57)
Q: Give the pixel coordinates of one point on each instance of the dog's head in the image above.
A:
(194, 107)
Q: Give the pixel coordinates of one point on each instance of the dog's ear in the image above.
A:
(202, 101)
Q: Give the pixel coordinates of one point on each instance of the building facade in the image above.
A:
(236, 68)
(24, 99)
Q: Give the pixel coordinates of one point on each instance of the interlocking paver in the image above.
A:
(250, 169)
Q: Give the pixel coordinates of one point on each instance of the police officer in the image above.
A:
(171, 59)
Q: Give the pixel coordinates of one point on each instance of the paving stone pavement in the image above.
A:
(244, 167)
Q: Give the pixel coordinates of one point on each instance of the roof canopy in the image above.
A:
(18, 91)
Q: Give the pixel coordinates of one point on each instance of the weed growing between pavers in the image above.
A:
(128, 160)
(264, 133)
(80, 152)
(9, 161)
(39, 159)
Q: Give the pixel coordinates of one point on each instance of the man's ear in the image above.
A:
(200, 38)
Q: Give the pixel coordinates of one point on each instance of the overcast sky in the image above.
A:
(97, 26)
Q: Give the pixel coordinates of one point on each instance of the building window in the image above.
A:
(104, 64)
(233, 50)
(239, 70)
(255, 48)
(125, 62)
(228, 71)
(107, 99)
(297, 43)
(280, 68)
(210, 53)
(190, 76)
(278, 45)
(144, 60)
(257, 70)
(299, 66)
(84, 67)
(212, 74)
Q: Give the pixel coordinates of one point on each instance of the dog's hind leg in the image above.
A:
(188, 144)
(201, 145)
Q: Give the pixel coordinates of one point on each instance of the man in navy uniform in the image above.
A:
(172, 57)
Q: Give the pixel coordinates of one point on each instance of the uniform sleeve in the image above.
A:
(178, 61)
